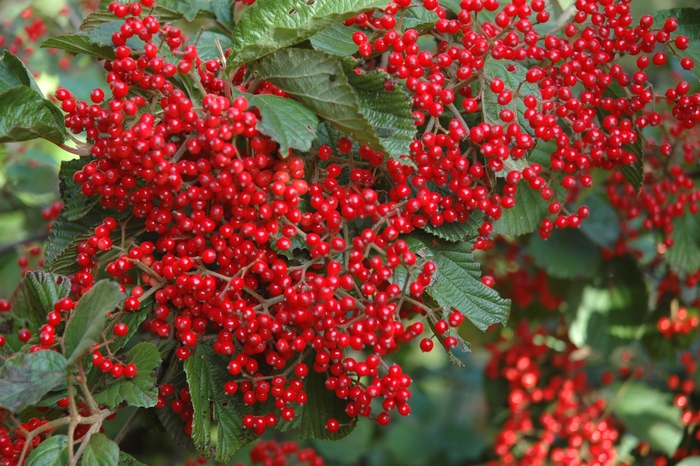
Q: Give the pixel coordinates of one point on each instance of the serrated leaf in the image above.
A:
(322, 405)
(348, 101)
(80, 43)
(458, 231)
(94, 20)
(126, 459)
(141, 390)
(525, 217)
(565, 254)
(389, 112)
(26, 378)
(40, 291)
(286, 121)
(90, 318)
(51, 452)
(206, 375)
(269, 26)
(649, 414)
(418, 18)
(206, 44)
(13, 73)
(25, 115)
(170, 420)
(513, 76)
(685, 252)
(457, 283)
(132, 320)
(101, 451)
(688, 25)
(336, 40)
(75, 203)
(541, 153)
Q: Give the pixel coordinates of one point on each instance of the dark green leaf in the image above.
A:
(610, 311)
(52, 452)
(40, 291)
(286, 121)
(513, 76)
(25, 378)
(649, 414)
(206, 375)
(689, 26)
(602, 226)
(101, 451)
(458, 231)
(90, 318)
(542, 152)
(685, 252)
(457, 283)
(75, 203)
(126, 459)
(13, 73)
(566, 254)
(132, 320)
(323, 405)
(451, 5)
(223, 10)
(141, 390)
(80, 43)
(525, 216)
(389, 112)
(336, 40)
(170, 420)
(634, 173)
(25, 115)
(269, 26)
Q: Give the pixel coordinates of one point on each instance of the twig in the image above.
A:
(127, 425)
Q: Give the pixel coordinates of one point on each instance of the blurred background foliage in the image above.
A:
(450, 423)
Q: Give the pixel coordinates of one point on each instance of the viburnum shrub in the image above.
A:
(271, 199)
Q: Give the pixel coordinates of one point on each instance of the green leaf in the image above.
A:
(25, 115)
(408, 446)
(90, 318)
(132, 320)
(458, 231)
(689, 461)
(525, 217)
(75, 204)
(206, 44)
(13, 73)
(25, 378)
(141, 390)
(190, 9)
(80, 43)
(31, 178)
(101, 451)
(513, 76)
(610, 311)
(649, 414)
(420, 19)
(348, 101)
(566, 254)
(40, 290)
(542, 152)
(634, 173)
(602, 225)
(170, 420)
(389, 112)
(457, 283)
(206, 375)
(223, 10)
(52, 452)
(323, 404)
(126, 459)
(269, 26)
(336, 40)
(685, 252)
(451, 5)
(286, 121)
(689, 26)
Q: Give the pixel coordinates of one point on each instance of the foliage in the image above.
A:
(219, 219)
